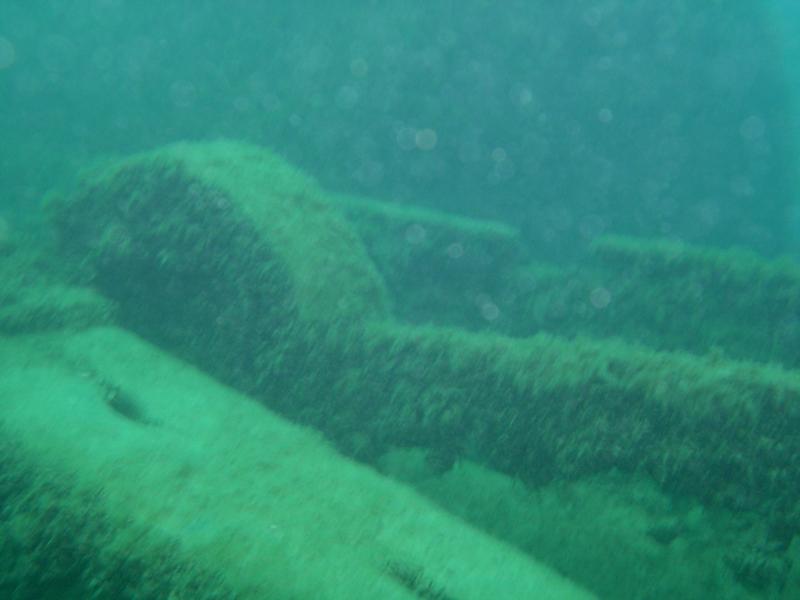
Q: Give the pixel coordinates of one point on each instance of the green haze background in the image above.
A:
(567, 119)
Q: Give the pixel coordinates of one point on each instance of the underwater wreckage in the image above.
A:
(223, 255)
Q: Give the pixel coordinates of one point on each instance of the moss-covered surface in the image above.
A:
(210, 497)
(546, 408)
(35, 293)
(439, 268)
(58, 542)
(224, 251)
(671, 296)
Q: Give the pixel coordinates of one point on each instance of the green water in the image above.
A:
(547, 279)
(566, 120)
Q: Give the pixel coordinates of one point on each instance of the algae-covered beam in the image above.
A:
(545, 408)
(440, 268)
(671, 296)
(704, 299)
